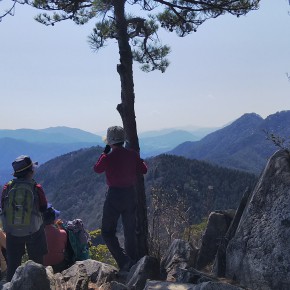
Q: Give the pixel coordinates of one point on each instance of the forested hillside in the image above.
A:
(201, 187)
(241, 145)
(72, 186)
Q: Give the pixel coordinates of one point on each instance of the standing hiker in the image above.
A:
(22, 202)
(121, 167)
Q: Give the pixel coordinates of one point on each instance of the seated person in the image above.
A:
(56, 241)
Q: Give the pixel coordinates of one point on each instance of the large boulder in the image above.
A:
(258, 255)
(146, 268)
(30, 276)
(217, 226)
(180, 255)
(83, 275)
(190, 275)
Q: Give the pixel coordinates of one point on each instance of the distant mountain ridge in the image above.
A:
(42, 145)
(51, 135)
(198, 132)
(45, 144)
(152, 146)
(242, 144)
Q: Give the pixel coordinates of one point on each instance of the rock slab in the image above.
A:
(258, 255)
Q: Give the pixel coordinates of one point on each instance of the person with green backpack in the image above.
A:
(22, 204)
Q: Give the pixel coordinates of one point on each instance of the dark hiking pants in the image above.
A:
(120, 202)
(36, 247)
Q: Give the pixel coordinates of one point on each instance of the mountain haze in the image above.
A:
(198, 132)
(242, 144)
(41, 152)
(51, 135)
(45, 144)
(42, 145)
(152, 146)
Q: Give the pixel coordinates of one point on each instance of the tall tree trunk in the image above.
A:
(127, 112)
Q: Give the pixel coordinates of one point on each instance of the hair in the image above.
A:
(120, 144)
(23, 173)
(49, 216)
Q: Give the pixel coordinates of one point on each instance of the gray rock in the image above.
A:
(258, 255)
(216, 286)
(151, 285)
(146, 268)
(114, 285)
(30, 276)
(219, 267)
(50, 275)
(190, 275)
(5, 286)
(179, 255)
(88, 274)
(217, 226)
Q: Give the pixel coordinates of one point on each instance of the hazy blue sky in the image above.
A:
(230, 66)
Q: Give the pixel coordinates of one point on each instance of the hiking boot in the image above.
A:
(3, 276)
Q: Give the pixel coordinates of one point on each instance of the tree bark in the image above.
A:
(127, 113)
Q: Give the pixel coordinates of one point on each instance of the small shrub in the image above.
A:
(195, 232)
(102, 254)
(98, 251)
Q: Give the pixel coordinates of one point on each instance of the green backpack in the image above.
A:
(78, 240)
(20, 213)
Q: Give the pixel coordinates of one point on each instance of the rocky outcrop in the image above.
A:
(151, 285)
(217, 226)
(219, 267)
(30, 276)
(257, 250)
(180, 255)
(258, 255)
(146, 268)
(85, 275)
(92, 275)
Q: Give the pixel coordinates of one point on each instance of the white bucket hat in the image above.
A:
(115, 134)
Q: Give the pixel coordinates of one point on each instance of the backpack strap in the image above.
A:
(9, 185)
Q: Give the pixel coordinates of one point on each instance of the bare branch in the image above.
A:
(10, 11)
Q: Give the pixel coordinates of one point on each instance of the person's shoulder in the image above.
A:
(55, 229)
(62, 231)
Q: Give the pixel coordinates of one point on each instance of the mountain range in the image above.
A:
(45, 144)
(60, 135)
(242, 145)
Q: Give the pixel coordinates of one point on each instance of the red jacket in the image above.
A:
(121, 166)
